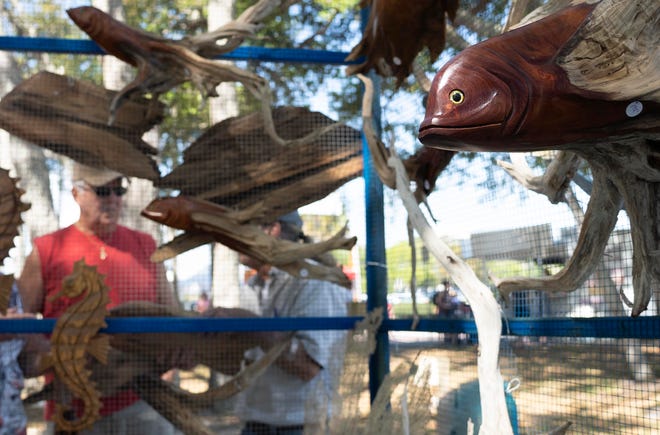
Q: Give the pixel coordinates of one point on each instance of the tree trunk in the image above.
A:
(225, 282)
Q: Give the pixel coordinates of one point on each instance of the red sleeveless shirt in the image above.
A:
(123, 259)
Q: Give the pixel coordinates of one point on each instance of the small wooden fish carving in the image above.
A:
(509, 93)
(162, 64)
(74, 338)
(229, 228)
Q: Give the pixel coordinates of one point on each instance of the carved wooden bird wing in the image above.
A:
(397, 31)
(70, 116)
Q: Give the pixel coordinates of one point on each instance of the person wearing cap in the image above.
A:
(119, 253)
(296, 393)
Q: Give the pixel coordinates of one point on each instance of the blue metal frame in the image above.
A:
(644, 327)
(376, 260)
(263, 54)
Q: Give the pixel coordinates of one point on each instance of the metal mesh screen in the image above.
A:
(216, 150)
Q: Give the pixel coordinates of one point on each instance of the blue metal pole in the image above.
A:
(376, 265)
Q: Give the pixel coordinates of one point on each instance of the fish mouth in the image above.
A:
(155, 215)
(468, 138)
(425, 127)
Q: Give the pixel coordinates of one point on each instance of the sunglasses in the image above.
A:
(105, 191)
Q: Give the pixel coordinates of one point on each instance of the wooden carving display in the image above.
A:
(61, 114)
(396, 33)
(74, 338)
(11, 208)
(519, 92)
(584, 79)
(236, 164)
(230, 228)
(164, 64)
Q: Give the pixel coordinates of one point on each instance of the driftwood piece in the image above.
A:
(199, 216)
(236, 164)
(69, 117)
(74, 338)
(230, 35)
(485, 307)
(423, 167)
(487, 313)
(221, 351)
(554, 181)
(617, 52)
(599, 221)
(134, 362)
(11, 208)
(164, 64)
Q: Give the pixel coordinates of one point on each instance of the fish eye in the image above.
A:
(456, 96)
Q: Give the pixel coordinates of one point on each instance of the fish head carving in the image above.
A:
(112, 35)
(509, 93)
(468, 103)
(87, 18)
(173, 212)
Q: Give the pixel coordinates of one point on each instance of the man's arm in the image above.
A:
(31, 284)
(164, 291)
(298, 363)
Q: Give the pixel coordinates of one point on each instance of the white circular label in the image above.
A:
(304, 273)
(634, 109)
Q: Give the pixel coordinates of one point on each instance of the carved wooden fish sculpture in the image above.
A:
(162, 64)
(74, 337)
(229, 228)
(509, 93)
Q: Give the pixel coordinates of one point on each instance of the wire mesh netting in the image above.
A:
(212, 187)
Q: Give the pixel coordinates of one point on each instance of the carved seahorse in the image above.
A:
(74, 337)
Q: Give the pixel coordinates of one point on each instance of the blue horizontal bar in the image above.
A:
(647, 327)
(186, 324)
(264, 54)
(592, 327)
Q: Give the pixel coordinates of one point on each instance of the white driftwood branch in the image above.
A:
(599, 221)
(484, 306)
(379, 153)
(553, 183)
(234, 32)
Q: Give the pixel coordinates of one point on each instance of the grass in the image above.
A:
(405, 309)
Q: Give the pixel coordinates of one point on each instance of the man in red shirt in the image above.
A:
(123, 256)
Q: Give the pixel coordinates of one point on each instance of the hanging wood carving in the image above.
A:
(70, 116)
(164, 64)
(584, 79)
(197, 216)
(11, 208)
(236, 164)
(397, 31)
(520, 91)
